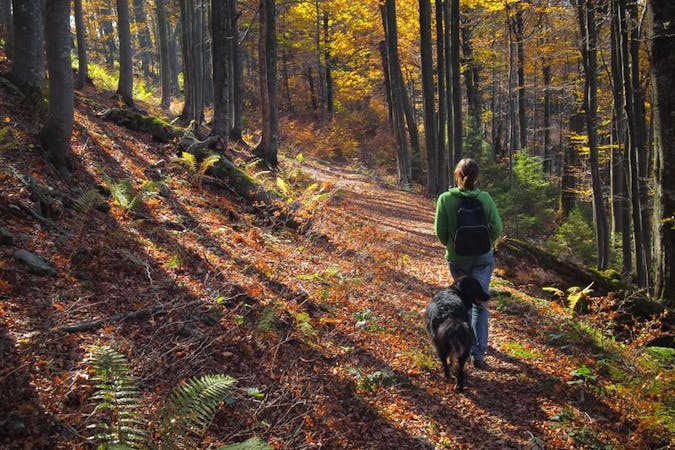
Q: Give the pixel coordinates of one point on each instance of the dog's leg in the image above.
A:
(459, 373)
(446, 368)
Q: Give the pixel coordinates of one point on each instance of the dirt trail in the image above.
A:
(519, 402)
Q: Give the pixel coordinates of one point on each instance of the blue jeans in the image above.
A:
(479, 267)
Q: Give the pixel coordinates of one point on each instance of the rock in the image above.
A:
(35, 263)
(6, 238)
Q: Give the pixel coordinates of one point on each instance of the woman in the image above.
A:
(479, 266)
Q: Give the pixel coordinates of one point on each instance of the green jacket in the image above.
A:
(445, 223)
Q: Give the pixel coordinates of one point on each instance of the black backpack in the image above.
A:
(472, 236)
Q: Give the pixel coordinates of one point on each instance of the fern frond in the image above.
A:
(207, 163)
(118, 399)
(283, 185)
(88, 200)
(192, 407)
(266, 320)
(189, 161)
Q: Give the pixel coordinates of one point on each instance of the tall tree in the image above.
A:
(589, 36)
(125, 85)
(662, 41)
(164, 58)
(237, 73)
(83, 62)
(442, 148)
(56, 133)
(393, 65)
(28, 68)
(267, 58)
(142, 36)
(222, 67)
(455, 83)
(192, 31)
(428, 89)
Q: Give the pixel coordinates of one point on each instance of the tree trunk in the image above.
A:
(28, 66)
(568, 185)
(143, 36)
(236, 95)
(327, 60)
(55, 136)
(125, 84)
(620, 191)
(107, 33)
(83, 64)
(431, 140)
(472, 80)
(192, 28)
(548, 157)
(267, 57)
(587, 25)
(164, 59)
(636, 147)
(398, 93)
(456, 92)
(662, 42)
(442, 148)
(220, 41)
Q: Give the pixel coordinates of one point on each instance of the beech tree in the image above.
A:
(83, 62)
(28, 66)
(125, 84)
(662, 41)
(267, 60)
(56, 133)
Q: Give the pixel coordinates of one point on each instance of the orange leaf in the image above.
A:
(59, 307)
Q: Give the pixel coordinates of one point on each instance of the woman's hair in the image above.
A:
(466, 174)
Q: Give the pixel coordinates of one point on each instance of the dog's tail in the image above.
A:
(453, 338)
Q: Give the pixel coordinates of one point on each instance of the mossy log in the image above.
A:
(513, 254)
(239, 181)
(135, 120)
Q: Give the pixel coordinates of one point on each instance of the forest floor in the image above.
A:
(322, 328)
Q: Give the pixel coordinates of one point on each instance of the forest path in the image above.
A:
(525, 400)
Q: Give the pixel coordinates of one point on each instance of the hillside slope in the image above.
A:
(322, 329)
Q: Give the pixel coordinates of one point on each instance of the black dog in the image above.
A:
(449, 324)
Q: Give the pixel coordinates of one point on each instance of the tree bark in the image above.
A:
(193, 60)
(164, 59)
(221, 38)
(431, 140)
(388, 11)
(267, 57)
(125, 84)
(456, 92)
(636, 147)
(83, 63)
(662, 42)
(237, 73)
(442, 155)
(143, 36)
(55, 135)
(472, 80)
(586, 14)
(28, 66)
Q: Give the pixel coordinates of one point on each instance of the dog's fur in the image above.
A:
(448, 321)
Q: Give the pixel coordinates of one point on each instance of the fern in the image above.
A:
(124, 194)
(191, 409)
(207, 163)
(118, 399)
(88, 200)
(197, 170)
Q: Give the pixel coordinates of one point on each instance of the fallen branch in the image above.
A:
(140, 314)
